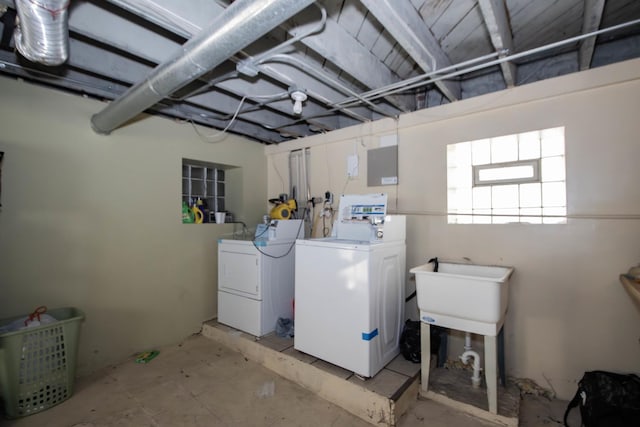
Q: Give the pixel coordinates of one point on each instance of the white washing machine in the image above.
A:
(256, 278)
(349, 295)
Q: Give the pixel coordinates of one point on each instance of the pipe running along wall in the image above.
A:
(239, 25)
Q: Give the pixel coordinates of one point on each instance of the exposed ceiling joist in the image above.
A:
(339, 47)
(77, 81)
(241, 23)
(360, 60)
(404, 23)
(187, 21)
(591, 22)
(497, 21)
(72, 79)
(130, 71)
(184, 18)
(335, 84)
(117, 31)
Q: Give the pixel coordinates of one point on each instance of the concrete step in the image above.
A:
(380, 400)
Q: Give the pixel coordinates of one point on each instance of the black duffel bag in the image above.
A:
(607, 399)
(410, 340)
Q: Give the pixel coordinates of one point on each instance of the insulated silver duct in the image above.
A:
(239, 25)
(42, 33)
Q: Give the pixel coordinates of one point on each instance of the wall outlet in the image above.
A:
(328, 197)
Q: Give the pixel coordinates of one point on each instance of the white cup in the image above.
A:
(220, 217)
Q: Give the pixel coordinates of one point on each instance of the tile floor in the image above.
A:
(202, 383)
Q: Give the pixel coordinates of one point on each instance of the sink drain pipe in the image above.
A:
(475, 379)
(467, 341)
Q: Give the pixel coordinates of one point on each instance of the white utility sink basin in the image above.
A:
(467, 297)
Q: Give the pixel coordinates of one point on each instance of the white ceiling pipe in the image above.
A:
(239, 25)
(436, 75)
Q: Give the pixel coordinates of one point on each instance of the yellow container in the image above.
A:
(198, 215)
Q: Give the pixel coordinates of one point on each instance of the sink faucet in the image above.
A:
(435, 262)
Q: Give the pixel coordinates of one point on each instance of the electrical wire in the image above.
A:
(275, 167)
(327, 212)
(346, 183)
(223, 131)
(325, 230)
(260, 235)
(309, 216)
(206, 138)
(293, 244)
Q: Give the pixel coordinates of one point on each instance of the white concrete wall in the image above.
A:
(568, 312)
(94, 221)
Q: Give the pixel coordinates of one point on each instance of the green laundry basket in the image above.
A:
(38, 364)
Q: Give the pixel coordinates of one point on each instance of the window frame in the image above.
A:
(211, 180)
(466, 160)
(534, 163)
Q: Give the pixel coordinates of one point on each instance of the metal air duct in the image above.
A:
(42, 34)
(239, 25)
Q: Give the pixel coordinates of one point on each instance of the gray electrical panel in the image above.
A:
(382, 166)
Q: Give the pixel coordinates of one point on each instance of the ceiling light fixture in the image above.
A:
(298, 96)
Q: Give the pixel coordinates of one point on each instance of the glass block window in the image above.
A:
(513, 178)
(205, 181)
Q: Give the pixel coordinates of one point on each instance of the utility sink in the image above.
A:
(632, 286)
(467, 297)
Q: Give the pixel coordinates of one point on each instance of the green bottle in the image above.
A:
(187, 214)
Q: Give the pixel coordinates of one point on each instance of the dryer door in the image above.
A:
(238, 271)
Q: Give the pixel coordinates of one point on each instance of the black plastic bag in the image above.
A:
(284, 328)
(607, 399)
(410, 341)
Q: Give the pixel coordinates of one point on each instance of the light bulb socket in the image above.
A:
(297, 108)
(298, 97)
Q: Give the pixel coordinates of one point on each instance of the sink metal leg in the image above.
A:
(501, 365)
(425, 350)
(490, 371)
(443, 351)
